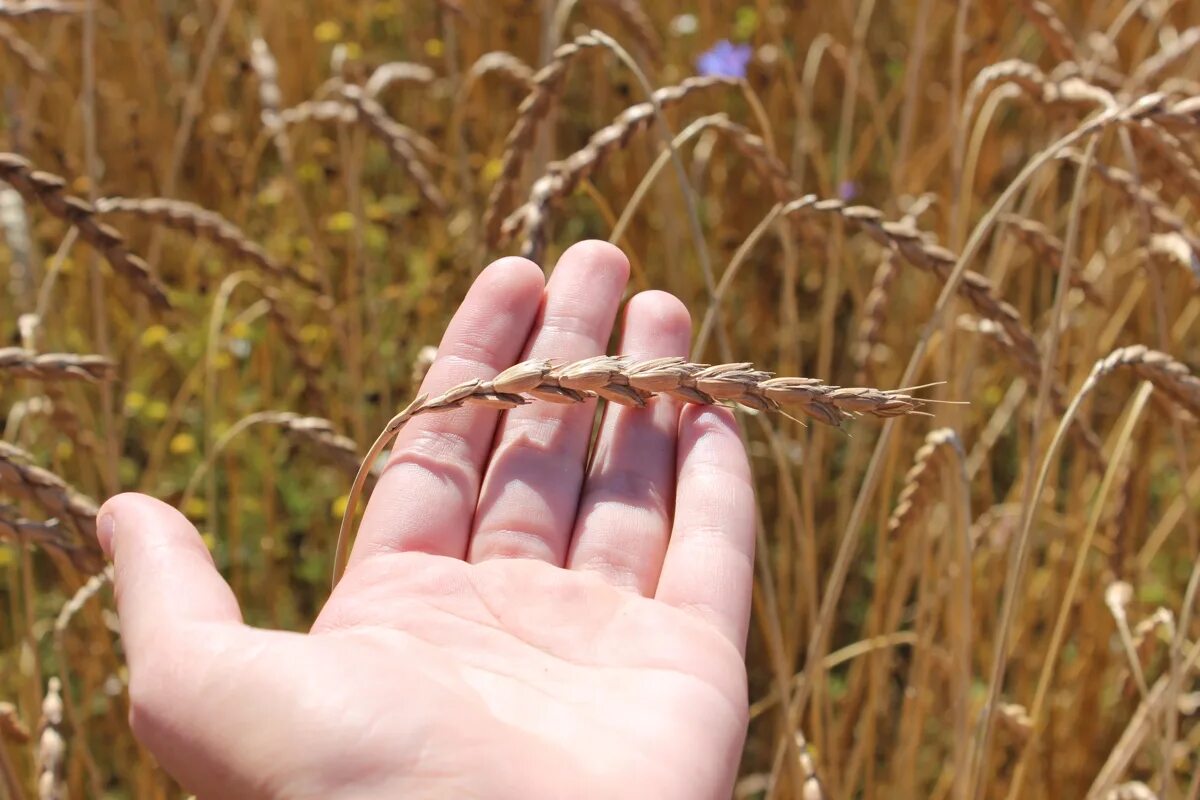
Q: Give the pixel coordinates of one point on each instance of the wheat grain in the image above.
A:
(920, 482)
(628, 382)
(54, 366)
(52, 745)
(48, 191)
(204, 224)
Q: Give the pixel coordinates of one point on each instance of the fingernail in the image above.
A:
(106, 529)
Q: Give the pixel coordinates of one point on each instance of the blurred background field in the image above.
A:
(957, 605)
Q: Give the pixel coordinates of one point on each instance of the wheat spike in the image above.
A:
(1169, 376)
(920, 482)
(1053, 29)
(87, 591)
(1150, 71)
(562, 177)
(628, 382)
(19, 476)
(37, 8)
(48, 191)
(547, 82)
(204, 224)
(386, 75)
(52, 745)
(49, 536)
(1038, 238)
(54, 366)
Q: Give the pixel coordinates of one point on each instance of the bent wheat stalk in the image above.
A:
(631, 383)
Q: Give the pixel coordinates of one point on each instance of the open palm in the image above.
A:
(527, 612)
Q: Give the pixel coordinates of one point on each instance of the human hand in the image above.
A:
(514, 621)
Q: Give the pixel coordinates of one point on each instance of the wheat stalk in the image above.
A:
(48, 191)
(204, 224)
(632, 383)
(920, 482)
(54, 366)
(37, 8)
(21, 477)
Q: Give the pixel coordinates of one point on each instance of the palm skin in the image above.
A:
(515, 621)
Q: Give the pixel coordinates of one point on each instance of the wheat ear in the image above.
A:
(1169, 376)
(37, 8)
(204, 224)
(52, 745)
(1053, 30)
(632, 383)
(49, 536)
(54, 366)
(1150, 70)
(921, 482)
(49, 191)
(21, 477)
(1038, 238)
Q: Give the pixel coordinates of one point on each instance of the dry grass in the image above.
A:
(280, 204)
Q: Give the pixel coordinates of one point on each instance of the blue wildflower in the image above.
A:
(725, 59)
(847, 190)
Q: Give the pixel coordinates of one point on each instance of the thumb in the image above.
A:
(164, 575)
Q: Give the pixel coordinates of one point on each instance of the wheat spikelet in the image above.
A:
(399, 140)
(393, 72)
(23, 50)
(921, 481)
(317, 432)
(1053, 30)
(37, 8)
(1141, 194)
(86, 592)
(54, 366)
(547, 82)
(1038, 238)
(1150, 71)
(1169, 376)
(632, 383)
(49, 536)
(19, 476)
(562, 177)
(48, 191)
(204, 224)
(52, 745)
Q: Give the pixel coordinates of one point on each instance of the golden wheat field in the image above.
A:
(231, 234)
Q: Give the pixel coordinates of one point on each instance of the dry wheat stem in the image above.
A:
(204, 224)
(23, 50)
(632, 383)
(23, 363)
(49, 191)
